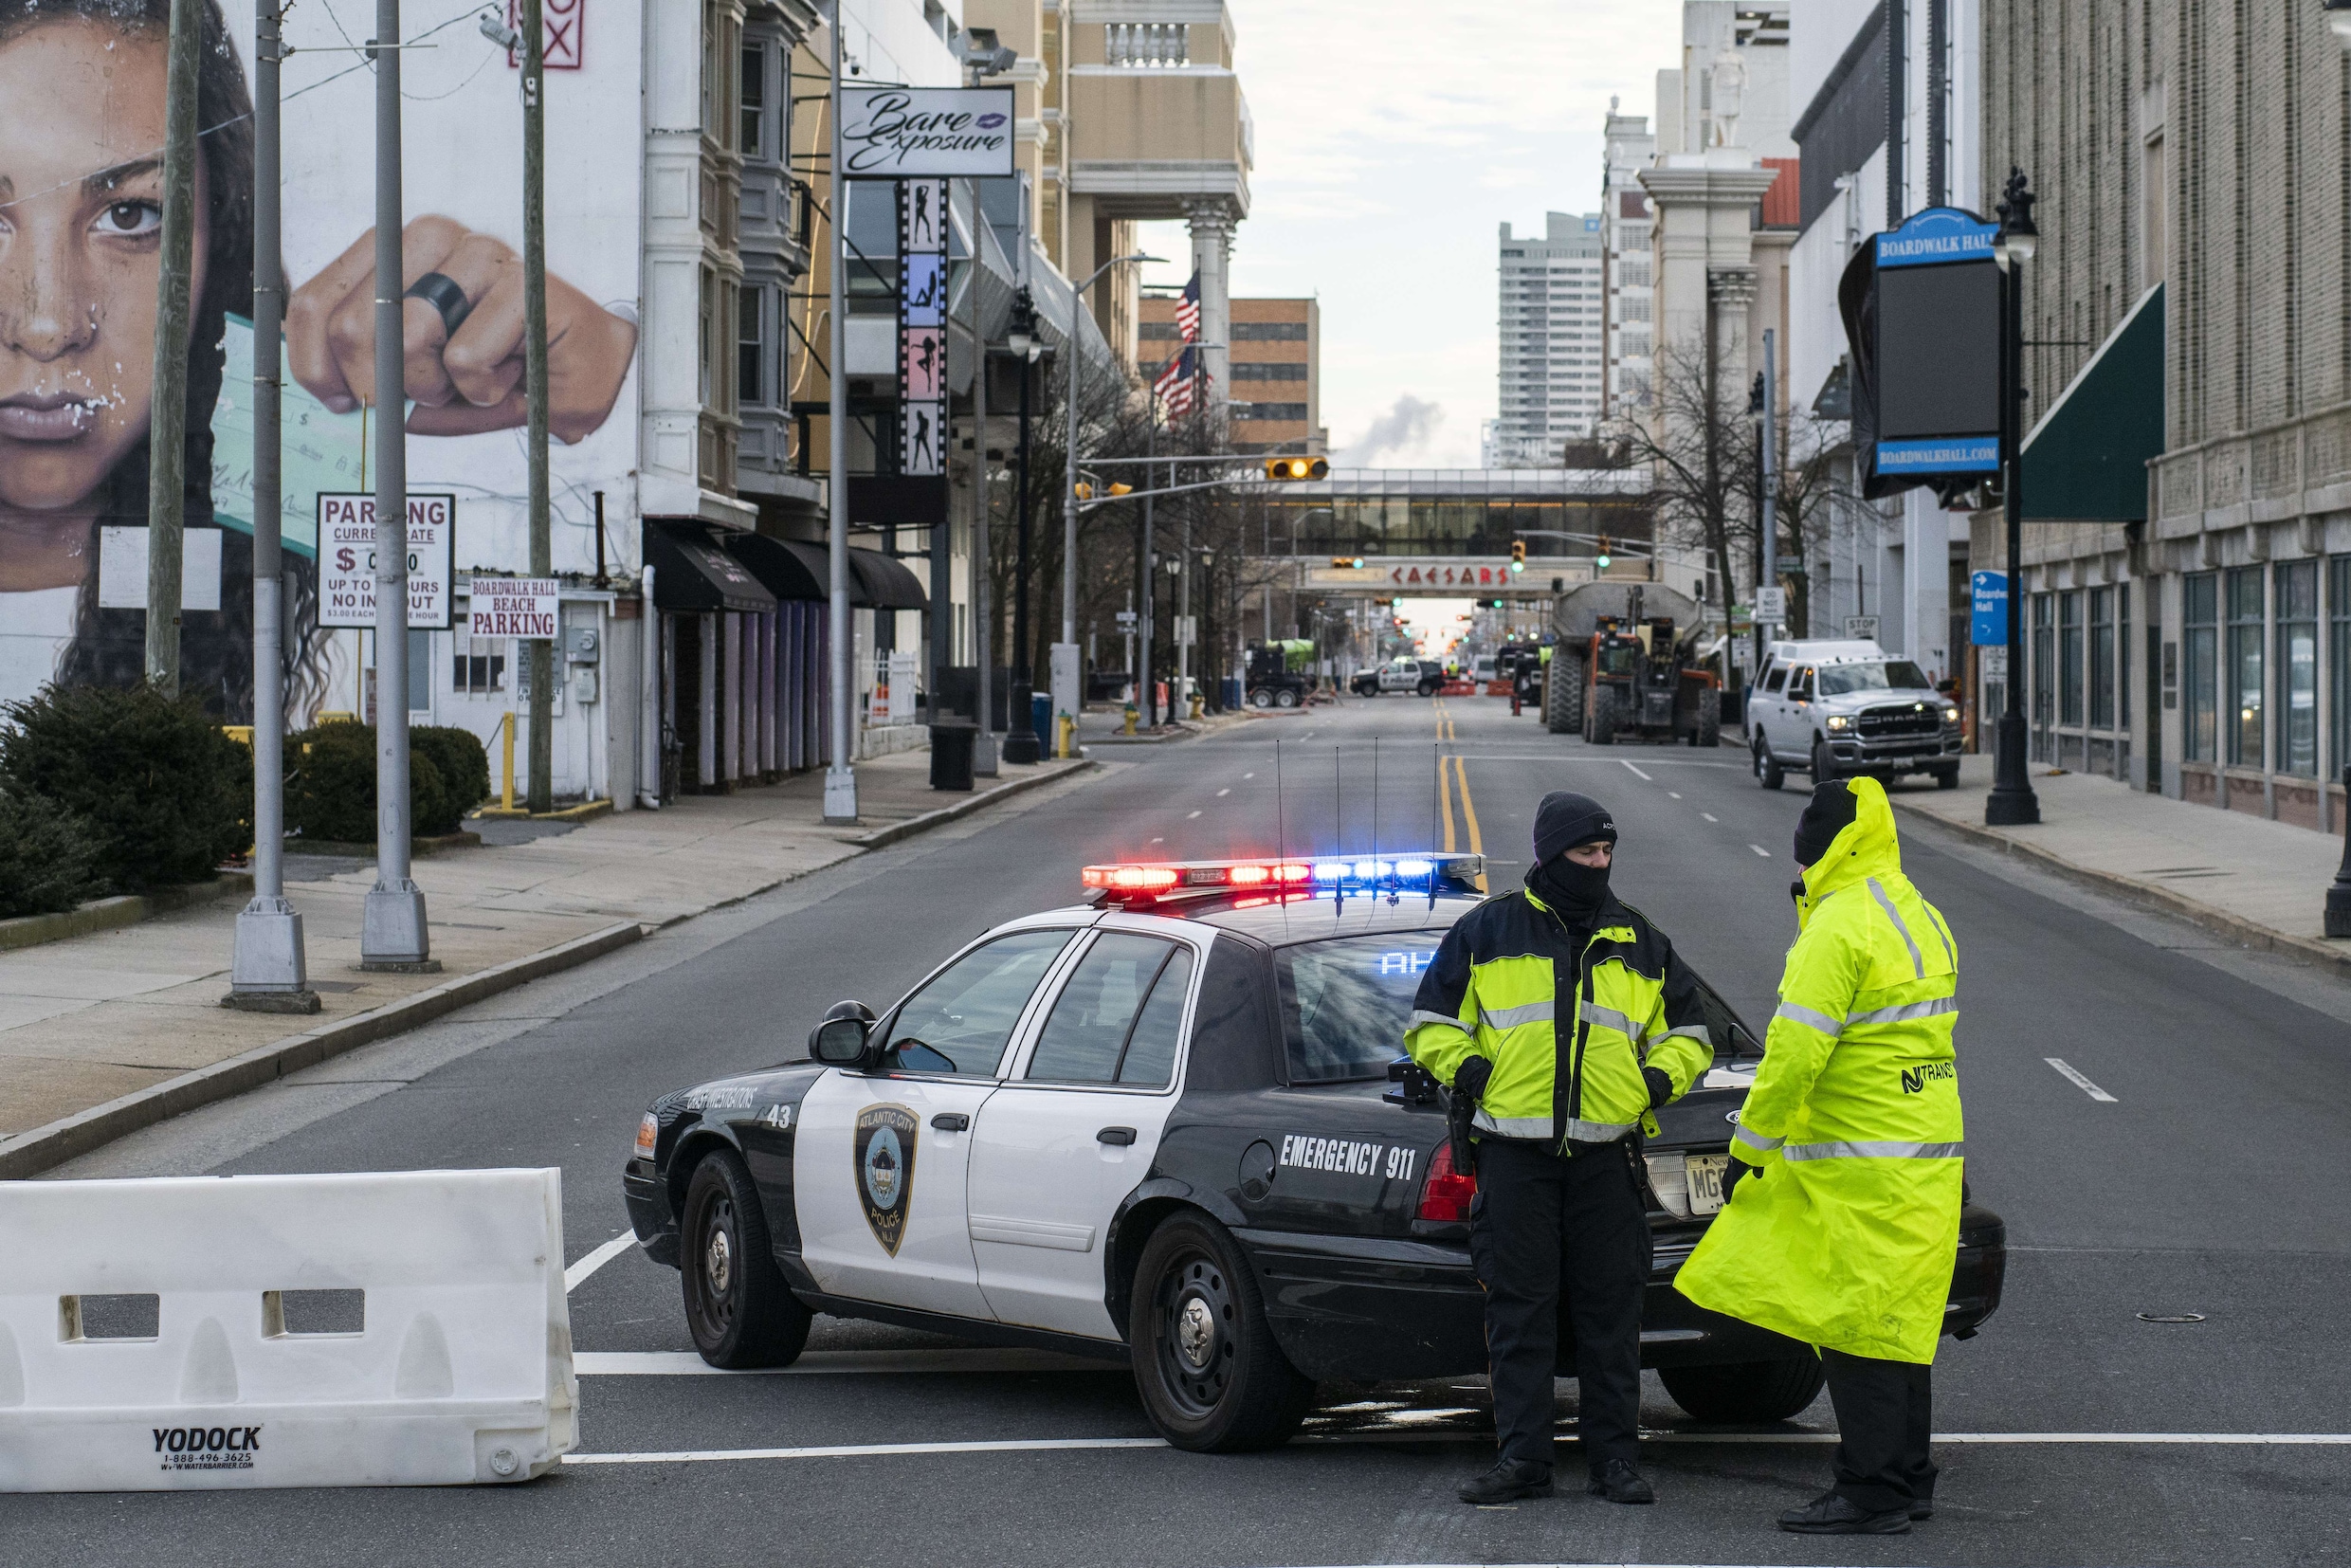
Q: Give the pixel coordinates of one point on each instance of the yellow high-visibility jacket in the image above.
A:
(1567, 1024)
(1847, 1234)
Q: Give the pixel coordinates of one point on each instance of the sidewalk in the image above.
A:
(104, 1032)
(2260, 882)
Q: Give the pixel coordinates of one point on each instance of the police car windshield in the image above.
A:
(1893, 675)
(1345, 1001)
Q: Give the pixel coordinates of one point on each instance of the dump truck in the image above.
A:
(1623, 664)
(1279, 673)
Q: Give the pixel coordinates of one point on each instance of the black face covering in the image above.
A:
(1575, 892)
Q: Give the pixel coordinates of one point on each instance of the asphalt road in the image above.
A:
(2210, 1183)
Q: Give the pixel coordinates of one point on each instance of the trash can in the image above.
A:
(1041, 719)
(951, 756)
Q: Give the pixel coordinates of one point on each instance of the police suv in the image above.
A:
(1170, 1126)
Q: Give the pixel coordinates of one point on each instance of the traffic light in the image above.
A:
(1347, 560)
(1086, 491)
(1599, 562)
(1297, 467)
(1518, 555)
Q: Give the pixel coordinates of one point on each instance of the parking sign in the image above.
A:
(347, 559)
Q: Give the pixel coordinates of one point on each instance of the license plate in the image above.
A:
(1704, 1175)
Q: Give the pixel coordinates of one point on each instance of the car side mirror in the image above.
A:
(839, 1041)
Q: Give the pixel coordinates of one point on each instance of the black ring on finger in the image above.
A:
(439, 290)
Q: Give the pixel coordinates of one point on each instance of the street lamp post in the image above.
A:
(1020, 737)
(1069, 452)
(2012, 802)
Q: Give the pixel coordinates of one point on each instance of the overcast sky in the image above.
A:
(1392, 138)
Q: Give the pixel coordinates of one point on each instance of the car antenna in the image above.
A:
(1280, 851)
(1338, 816)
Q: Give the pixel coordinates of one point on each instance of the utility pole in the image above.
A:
(1020, 737)
(542, 649)
(392, 935)
(267, 972)
(167, 443)
(983, 519)
(1771, 502)
(840, 778)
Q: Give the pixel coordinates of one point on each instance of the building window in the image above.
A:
(2102, 658)
(2201, 625)
(2070, 658)
(2123, 660)
(1261, 370)
(1268, 332)
(755, 100)
(2043, 663)
(2338, 655)
(2245, 666)
(2298, 667)
(709, 357)
(751, 347)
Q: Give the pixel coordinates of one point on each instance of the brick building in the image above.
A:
(1276, 352)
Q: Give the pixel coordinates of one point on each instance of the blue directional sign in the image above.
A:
(1938, 234)
(1987, 620)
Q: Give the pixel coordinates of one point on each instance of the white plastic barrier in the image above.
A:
(452, 1364)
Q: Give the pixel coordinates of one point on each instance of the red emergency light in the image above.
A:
(1148, 881)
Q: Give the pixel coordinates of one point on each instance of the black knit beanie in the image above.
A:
(1566, 819)
(1831, 811)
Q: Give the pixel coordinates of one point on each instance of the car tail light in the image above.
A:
(648, 1133)
(1446, 1193)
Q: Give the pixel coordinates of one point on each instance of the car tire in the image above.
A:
(1564, 712)
(1285, 697)
(1768, 772)
(1604, 715)
(1709, 718)
(1261, 698)
(1947, 777)
(737, 1307)
(1428, 688)
(1745, 1392)
(1213, 1378)
(1824, 766)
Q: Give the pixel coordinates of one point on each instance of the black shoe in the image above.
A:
(1509, 1480)
(1832, 1513)
(1619, 1482)
(1921, 1508)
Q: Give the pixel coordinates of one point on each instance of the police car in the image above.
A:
(1169, 1127)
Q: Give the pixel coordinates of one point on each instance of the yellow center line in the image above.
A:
(1469, 815)
(1445, 801)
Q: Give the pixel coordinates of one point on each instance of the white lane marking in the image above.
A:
(1673, 794)
(1047, 1445)
(1637, 773)
(1710, 816)
(1221, 794)
(2079, 1081)
(1188, 816)
(1761, 850)
(815, 1363)
(578, 1274)
(1248, 775)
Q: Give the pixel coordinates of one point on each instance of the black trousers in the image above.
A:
(1885, 1413)
(1542, 1229)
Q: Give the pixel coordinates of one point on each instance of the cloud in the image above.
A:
(1403, 429)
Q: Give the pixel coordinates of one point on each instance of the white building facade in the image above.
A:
(1552, 330)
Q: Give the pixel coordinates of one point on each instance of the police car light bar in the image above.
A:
(1333, 874)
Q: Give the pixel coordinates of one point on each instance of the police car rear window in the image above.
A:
(1344, 1002)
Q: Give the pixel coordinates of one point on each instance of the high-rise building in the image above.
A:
(1276, 353)
(1551, 330)
(1629, 264)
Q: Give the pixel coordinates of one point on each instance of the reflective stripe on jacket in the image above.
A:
(1848, 1235)
(1568, 1026)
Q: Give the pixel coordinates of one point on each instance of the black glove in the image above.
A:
(1660, 1086)
(1470, 1078)
(1730, 1178)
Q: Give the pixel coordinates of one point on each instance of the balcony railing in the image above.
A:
(1148, 43)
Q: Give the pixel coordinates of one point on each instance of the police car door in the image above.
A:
(881, 1161)
(1074, 1128)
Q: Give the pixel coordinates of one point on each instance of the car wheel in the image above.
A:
(1213, 1378)
(1261, 698)
(1768, 772)
(737, 1304)
(1285, 697)
(1947, 778)
(1745, 1392)
(1604, 703)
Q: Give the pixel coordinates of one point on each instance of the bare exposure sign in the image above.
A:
(927, 132)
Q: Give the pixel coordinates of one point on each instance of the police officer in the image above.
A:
(1566, 1017)
(1847, 1161)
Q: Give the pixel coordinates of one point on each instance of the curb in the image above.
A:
(2146, 895)
(587, 810)
(60, 1140)
(981, 801)
(121, 910)
(465, 838)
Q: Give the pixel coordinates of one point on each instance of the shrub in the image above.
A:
(330, 785)
(464, 768)
(164, 796)
(45, 856)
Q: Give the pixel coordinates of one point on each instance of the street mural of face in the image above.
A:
(81, 221)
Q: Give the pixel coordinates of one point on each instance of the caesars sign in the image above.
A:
(347, 560)
(927, 132)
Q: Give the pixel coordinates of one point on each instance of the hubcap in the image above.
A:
(1195, 1332)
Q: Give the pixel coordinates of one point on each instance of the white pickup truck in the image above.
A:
(1837, 708)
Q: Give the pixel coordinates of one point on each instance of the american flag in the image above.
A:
(1188, 311)
(1180, 383)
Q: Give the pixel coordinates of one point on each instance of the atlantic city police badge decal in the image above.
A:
(884, 1150)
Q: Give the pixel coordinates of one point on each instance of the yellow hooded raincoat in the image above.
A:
(1845, 1234)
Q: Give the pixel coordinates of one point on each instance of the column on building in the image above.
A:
(1211, 222)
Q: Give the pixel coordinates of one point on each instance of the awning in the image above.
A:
(2087, 459)
(691, 573)
(794, 570)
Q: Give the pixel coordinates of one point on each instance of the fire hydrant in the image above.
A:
(1065, 736)
(1133, 716)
